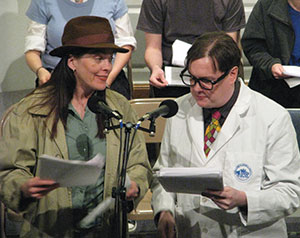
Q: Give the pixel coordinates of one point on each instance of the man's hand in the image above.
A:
(157, 78)
(228, 198)
(166, 225)
(38, 188)
(277, 71)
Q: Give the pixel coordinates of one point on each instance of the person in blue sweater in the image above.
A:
(47, 21)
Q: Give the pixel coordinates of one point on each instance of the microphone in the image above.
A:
(96, 105)
(166, 109)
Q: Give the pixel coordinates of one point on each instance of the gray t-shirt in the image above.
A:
(186, 20)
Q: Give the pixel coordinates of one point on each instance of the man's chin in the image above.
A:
(204, 103)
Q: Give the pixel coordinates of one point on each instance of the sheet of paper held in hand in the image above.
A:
(172, 75)
(70, 173)
(179, 52)
(294, 72)
(190, 180)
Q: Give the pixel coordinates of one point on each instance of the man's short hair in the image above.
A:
(218, 46)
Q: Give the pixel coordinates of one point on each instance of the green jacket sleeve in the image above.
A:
(17, 159)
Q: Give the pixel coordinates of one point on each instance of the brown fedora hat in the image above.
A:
(87, 32)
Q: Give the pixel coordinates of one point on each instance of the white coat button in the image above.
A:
(205, 230)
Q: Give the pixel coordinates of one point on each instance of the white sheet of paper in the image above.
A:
(190, 180)
(292, 82)
(294, 71)
(70, 173)
(172, 76)
(179, 52)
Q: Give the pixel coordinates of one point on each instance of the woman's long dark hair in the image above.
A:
(57, 93)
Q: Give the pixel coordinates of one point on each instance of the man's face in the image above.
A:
(221, 92)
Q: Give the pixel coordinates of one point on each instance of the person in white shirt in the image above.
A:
(47, 21)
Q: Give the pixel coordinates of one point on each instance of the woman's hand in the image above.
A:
(38, 188)
(133, 191)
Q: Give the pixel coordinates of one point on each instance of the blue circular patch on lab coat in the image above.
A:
(243, 172)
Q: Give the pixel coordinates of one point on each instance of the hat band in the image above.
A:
(92, 39)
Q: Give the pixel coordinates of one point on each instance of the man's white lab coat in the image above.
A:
(258, 153)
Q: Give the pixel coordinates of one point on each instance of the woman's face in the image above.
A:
(91, 71)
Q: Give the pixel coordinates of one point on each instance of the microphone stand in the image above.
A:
(152, 127)
(119, 193)
(121, 190)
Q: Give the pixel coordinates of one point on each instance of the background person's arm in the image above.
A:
(255, 41)
(124, 37)
(120, 61)
(235, 36)
(35, 44)
(154, 60)
(33, 60)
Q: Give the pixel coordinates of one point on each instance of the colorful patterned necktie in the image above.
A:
(211, 132)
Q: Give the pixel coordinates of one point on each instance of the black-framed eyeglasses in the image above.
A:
(204, 83)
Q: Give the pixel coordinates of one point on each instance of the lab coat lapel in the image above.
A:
(195, 123)
(233, 122)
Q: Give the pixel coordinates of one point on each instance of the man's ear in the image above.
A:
(71, 63)
(233, 74)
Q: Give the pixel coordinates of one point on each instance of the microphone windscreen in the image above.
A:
(173, 107)
(93, 103)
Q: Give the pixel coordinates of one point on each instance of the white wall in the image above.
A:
(14, 73)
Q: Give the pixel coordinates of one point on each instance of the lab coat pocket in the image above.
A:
(187, 201)
(243, 170)
(194, 203)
